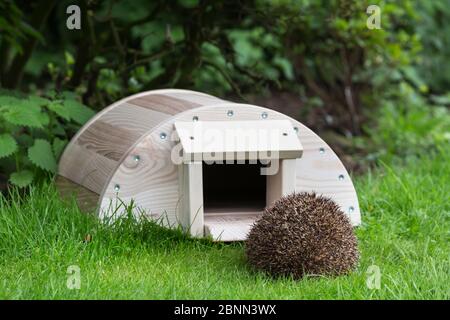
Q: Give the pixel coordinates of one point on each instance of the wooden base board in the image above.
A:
(230, 227)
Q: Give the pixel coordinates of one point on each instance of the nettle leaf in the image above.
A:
(39, 101)
(28, 29)
(69, 95)
(9, 101)
(7, 145)
(41, 155)
(58, 146)
(22, 178)
(58, 108)
(11, 93)
(78, 111)
(25, 114)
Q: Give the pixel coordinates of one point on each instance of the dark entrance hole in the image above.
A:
(233, 188)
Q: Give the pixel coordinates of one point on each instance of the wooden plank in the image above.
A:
(135, 118)
(230, 227)
(164, 103)
(283, 182)
(91, 158)
(191, 193)
(321, 171)
(197, 97)
(238, 140)
(108, 140)
(93, 154)
(86, 167)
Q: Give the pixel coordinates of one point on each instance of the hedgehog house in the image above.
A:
(191, 159)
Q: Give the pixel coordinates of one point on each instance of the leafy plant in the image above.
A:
(338, 61)
(34, 131)
(408, 127)
(434, 31)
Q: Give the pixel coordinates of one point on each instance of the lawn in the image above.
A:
(405, 233)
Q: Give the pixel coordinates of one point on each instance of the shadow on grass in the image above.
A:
(131, 225)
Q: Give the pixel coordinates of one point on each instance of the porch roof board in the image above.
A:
(238, 140)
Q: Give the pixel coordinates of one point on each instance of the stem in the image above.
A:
(37, 21)
(16, 155)
(83, 53)
(4, 58)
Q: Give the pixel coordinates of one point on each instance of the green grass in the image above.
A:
(405, 233)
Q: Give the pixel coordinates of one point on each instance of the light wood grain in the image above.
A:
(314, 171)
(164, 103)
(86, 168)
(230, 227)
(238, 140)
(283, 182)
(191, 194)
(95, 161)
(102, 144)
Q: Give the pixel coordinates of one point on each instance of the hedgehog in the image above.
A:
(302, 234)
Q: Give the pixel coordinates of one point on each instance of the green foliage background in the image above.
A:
(315, 60)
(379, 97)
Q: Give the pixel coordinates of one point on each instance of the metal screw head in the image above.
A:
(137, 158)
(163, 135)
(230, 113)
(264, 115)
(341, 177)
(296, 129)
(351, 209)
(191, 137)
(285, 134)
(194, 118)
(116, 188)
(322, 150)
